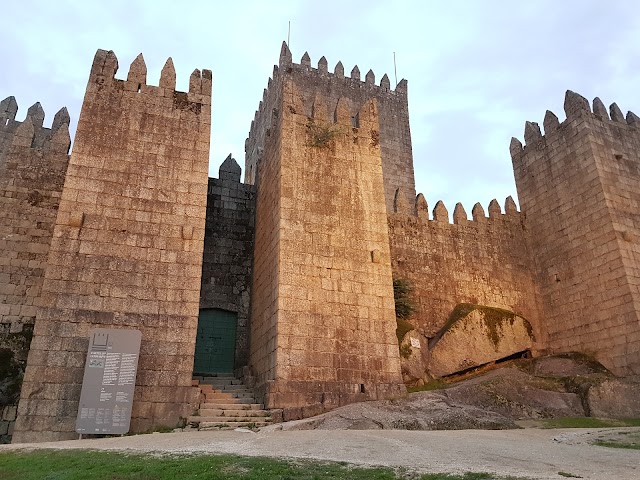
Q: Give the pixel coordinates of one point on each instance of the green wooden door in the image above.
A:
(215, 342)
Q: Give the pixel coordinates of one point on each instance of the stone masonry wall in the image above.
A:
(126, 249)
(578, 190)
(335, 314)
(482, 261)
(266, 257)
(33, 162)
(395, 134)
(228, 251)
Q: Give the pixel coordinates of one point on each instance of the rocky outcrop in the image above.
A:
(615, 398)
(567, 385)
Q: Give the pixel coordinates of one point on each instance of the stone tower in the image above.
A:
(393, 109)
(127, 248)
(323, 322)
(578, 189)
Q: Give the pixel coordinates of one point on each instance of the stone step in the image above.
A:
(212, 395)
(221, 382)
(226, 376)
(216, 412)
(228, 404)
(225, 419)
(224, 390)
(231, 387)
(228, 400)
(231, 406)
(230, 425)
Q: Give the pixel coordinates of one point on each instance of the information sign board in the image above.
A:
(109, 381)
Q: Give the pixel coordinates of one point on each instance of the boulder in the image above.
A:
(476, 335)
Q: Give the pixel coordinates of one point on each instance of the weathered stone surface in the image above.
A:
(568, 365)
(615, 399)
(475, 336)
(419, 411)
(517, 395)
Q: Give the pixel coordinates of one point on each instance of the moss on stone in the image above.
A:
(13, 357)
(405, 351)
(403, 327)
(493, 317)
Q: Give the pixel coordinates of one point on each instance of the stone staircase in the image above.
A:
(227, 404)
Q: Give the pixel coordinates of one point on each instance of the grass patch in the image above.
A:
(630, 440)
(466, 476)
(435, 384)
(568, 475)
(616, 444)
(590, 422)
(100, 465)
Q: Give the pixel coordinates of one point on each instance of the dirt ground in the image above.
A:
(525, 453)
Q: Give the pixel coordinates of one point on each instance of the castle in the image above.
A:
(321, 280)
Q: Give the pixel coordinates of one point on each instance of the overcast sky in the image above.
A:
(477, 70)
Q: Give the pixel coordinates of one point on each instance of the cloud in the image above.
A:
(476, 70)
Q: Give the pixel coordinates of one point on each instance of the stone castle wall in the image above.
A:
(578, 186)
(126, 249)
(480, 261)
(228, 251)
(33, 163)
(393, 109)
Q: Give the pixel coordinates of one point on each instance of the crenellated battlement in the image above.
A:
(440, 213)
(577, 109)
(354, 79)
(31, 132)
(105, 67)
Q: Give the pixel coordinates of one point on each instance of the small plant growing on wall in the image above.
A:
(405, 307)
(321, 136)
(405, 351)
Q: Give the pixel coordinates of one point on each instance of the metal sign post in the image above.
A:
(109, 382)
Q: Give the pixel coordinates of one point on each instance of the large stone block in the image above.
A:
(477, 335)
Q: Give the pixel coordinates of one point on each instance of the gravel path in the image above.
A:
(529, 453)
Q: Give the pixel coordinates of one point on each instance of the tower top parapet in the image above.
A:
(354, 78)
(577, 108)
(31, 132)
(105, 66)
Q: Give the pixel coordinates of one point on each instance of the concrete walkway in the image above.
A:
(529, 453)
